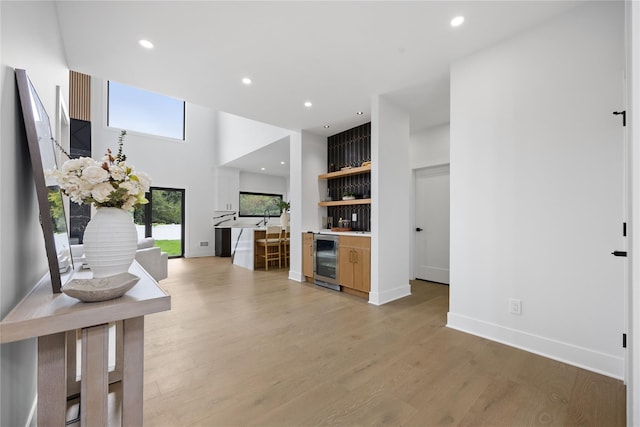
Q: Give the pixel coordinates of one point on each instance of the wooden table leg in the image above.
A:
(73, 385)
(52, 379)
(95, 377)
(133, 371)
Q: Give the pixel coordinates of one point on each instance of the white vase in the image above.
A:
(284, 219)
(110, 242)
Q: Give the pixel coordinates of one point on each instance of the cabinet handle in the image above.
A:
(355, 257)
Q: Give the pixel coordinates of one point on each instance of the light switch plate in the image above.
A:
(354, 217)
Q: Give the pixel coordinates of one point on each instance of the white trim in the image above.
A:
(632, 12)
(296, 276)
(379, 298)
(581, 357)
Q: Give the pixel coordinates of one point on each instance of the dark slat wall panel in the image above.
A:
(79, 215)
(79, 96)
(80, 114)
(350, 148)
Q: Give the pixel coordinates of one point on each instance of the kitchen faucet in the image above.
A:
(265, 218)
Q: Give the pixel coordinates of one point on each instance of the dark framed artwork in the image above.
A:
(43, 157)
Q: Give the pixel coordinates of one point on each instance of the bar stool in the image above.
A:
(271, 246)
(285, 245)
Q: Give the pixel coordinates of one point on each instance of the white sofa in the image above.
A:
(150, 257)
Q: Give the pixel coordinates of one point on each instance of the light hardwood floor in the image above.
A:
(242, 348)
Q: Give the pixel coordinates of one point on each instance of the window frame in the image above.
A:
(273, 195)
(140, 132)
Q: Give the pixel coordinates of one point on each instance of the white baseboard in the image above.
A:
(296, 275)
(379, 298)
(605, 364)
(199, 253)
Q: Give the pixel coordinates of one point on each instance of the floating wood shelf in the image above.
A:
(346, 202)
(346, 172)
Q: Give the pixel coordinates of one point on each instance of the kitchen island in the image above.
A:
(243, 246)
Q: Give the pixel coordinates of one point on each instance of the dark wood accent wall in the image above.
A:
(349, 149)
(79, 96)
(80, 115)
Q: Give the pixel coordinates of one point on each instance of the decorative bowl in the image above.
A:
(102, 288)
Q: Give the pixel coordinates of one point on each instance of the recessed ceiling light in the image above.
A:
(308, 104)
(262, 169)
(359, 113)
(457, 21)
(282, 163)
(246, 80)
(327, 126)
(146, 44)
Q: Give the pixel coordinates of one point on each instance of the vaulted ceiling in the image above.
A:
(335, 54)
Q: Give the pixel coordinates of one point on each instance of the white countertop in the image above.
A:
(341, 233)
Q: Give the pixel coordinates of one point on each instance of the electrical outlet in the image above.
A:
(515, 306)
(204, 243)
(354, 217)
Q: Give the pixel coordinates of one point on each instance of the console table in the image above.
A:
(55, 319)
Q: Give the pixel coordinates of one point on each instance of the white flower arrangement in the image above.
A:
(109, 183)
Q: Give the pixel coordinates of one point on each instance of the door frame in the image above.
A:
(147, 216)
(632, 16)
(412, 214)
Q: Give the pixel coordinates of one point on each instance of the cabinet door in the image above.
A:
(354, 263)
(345, 266)
(307, 254)
(361, 269)
(227, 187)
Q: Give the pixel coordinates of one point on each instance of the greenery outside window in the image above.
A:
(259, 204)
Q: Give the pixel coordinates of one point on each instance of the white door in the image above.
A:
(432, 224)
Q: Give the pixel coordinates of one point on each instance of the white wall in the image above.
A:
(237, 136)
(391, 196)
(430, 147)
(185, 164)
(30, 39)
(536, 190)
(314, 163)
(262, 183)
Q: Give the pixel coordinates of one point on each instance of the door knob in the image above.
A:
(418, 229)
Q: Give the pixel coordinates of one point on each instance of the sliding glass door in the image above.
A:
(163, 219)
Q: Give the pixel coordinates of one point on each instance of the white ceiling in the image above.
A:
(336, 54)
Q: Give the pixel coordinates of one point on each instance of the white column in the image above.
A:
(390, 192)
(308, 159)
(297, 202)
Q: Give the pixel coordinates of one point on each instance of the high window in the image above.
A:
(139, 110)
